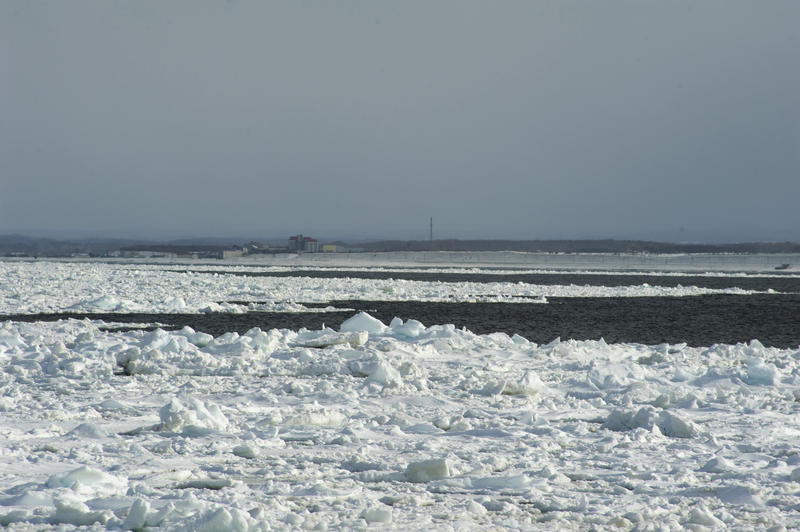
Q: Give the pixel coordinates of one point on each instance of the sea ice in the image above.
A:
(403, 426)
(102, 287)
(363, 322)
(427, 470)
(197, 415)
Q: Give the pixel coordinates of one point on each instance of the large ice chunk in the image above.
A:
(363, 322)
(675, 426)
(176, 416)
(87, 480)
(385, 375)
(104, 303)
(328, 337)
(529, 384)
(761, 373)
(669, 424)
(427, 470)
(410, 329)
(72, 511)
(378, 514)
(622, 420)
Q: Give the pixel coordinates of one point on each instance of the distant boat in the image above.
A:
(783, 266)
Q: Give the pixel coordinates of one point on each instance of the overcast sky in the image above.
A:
(666, 120)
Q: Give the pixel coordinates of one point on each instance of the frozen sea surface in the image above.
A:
(41, 286)
(393, 424)
(403, 426)
(511, 260)
(789, 283)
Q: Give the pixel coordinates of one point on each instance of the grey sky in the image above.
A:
(670, 120)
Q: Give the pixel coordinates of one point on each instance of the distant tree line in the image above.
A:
(47, 247)
(579, 246)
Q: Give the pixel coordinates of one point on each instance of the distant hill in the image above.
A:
(47, 247)
(26, 246)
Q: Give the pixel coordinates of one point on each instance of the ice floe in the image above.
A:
(97, 287)
(401, 425)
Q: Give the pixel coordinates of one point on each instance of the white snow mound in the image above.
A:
(197, 415)
(427, 470)
(363, 322)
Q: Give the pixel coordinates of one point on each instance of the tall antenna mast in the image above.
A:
(431, 232)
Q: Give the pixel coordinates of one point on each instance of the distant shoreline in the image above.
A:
(736, 264)
(20, 245)
(580, 246)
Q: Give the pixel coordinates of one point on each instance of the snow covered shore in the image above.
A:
(400, 426)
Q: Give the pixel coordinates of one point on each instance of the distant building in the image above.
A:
(330, 248)
(303, 243)
(149, 252)
(232, 253)
(182, 252)
(257, 247)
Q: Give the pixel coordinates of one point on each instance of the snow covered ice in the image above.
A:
(98, 287)
(400, 425)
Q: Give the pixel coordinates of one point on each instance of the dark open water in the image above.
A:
(774, 319)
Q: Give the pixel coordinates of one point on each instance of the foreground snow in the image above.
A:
(396, 426)
(33, 287)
